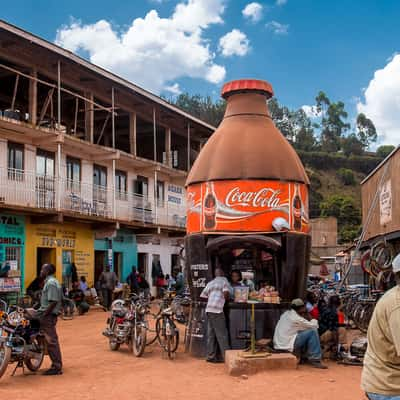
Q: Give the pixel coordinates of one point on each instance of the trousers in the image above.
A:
(48, 327)
(107, 297)
(307, 345)
(217, 336)
(374, 396)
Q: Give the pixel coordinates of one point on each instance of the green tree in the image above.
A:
(352, 145)
(385, 150)
(346, 176)
(333, 125)
(347, 213)
(201, 107)
(366, 130)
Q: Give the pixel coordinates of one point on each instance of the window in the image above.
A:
(44, 163)
(141, 186)
(120, 185)
(13, 254)
(73, 174)
(15, 161)
(160, 193)
(99, 183)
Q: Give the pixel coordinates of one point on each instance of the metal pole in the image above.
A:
(59, 95)
(113, 118)
(154, 134)
(365, 227)
(59, 186)
(155, 196)
(113, 191)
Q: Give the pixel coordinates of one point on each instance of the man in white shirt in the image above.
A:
(297, 332)
(216, 291)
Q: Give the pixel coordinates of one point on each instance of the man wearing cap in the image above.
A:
(381, 372)
(298, 333)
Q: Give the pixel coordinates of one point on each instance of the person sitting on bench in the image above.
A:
(298, 333)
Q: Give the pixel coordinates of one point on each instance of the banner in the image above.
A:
(385, 203)
(247, 206)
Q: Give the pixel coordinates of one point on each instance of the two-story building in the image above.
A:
(92, 167)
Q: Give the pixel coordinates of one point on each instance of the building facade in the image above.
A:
(88, 163)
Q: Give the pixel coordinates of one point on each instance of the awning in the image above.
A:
(244, 242)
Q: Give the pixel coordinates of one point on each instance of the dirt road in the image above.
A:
(92, 371)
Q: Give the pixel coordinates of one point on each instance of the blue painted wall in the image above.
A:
(125, 243)
(12, 234)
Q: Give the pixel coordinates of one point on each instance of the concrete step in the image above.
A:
(237, 365)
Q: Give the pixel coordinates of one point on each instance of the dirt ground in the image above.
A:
(92, 371)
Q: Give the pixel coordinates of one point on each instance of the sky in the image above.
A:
(346, 48)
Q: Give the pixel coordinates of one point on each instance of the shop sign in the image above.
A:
(56, 238)
(247, 206)
(175, 194)
(199, 281)
(10, 285)
(385, 203)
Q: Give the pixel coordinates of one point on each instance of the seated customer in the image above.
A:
(312, 305)
(331, 334)
(295, 332)
(77, 295)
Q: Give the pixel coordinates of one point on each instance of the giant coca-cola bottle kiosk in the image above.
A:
(247, 197)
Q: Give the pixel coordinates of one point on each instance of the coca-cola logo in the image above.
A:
(264, 198)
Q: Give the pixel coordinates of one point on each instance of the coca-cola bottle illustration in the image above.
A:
(297, 207)
(210, 208)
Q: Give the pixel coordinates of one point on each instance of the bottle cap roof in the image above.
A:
(247, 85)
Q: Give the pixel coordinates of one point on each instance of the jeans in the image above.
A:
(307, 344)
(373, 396)
(217, 336)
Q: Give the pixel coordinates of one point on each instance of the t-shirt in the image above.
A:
(289, 325)
(328, 320)
(381, 372)
(214, 292)
(51, 292)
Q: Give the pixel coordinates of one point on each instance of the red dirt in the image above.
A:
(92, 371)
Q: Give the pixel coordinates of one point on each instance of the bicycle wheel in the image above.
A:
(152, 334)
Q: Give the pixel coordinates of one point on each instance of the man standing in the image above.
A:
(216, 291)
(50, 308)
(381, 372)
(132, 280)
(297, 332)
(108, 280)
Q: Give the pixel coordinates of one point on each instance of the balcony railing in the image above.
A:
(31, 190)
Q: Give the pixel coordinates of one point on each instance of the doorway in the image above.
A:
(117, 264)
(99, 263)
(142, 264)
(44, 255)
(67, 260)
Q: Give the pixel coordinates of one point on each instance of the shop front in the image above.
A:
(119, 252)
(61, 245)
(12, 252)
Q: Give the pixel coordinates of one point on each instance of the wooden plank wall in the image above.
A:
(368, 190)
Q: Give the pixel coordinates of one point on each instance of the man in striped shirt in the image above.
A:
(216, 291)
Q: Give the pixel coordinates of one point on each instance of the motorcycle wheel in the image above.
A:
(139, 341)
(5, 356)
(33, 364)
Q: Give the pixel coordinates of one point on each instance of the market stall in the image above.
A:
(247, 214)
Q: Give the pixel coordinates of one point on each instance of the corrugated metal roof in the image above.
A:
(101, 71)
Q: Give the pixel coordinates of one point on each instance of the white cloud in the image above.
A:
(253, 11)
(234, 43)
(277, 28)
(382, 102)
(174, 89)
(281, 2)
(311, 111)
(153, 51)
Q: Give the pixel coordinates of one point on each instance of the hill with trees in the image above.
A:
(333, 150)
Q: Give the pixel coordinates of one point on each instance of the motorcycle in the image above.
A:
(127, 324)
(20, 339)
